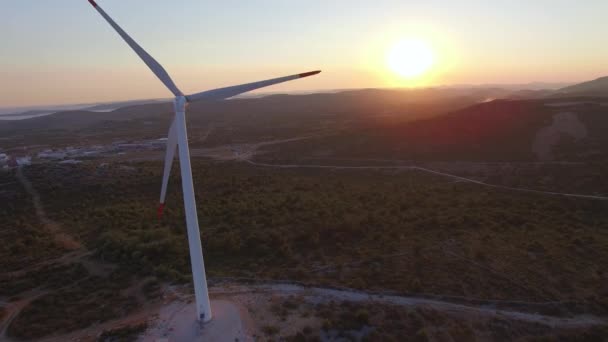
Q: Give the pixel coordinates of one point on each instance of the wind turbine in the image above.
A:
(178, 138)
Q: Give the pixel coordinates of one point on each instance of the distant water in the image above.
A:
(11, 114)
(14, 117)
(20, 113)
(16, 111)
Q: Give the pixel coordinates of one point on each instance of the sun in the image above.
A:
(410, 58)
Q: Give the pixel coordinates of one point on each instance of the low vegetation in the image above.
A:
(390, 323)
(75, 306)
(404, 231)
(400, 231)
(27, 242)
(356, 321)
(123, 334)
(50, 277)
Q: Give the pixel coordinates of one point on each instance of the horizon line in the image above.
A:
(302, 92)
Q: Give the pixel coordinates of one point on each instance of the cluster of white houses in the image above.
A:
(8, 161)
(70, 154)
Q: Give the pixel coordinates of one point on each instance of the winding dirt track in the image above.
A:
(64, 240)
(327, 294)
(418, 168)
(231, 291)
(61, 237)
(317, 294)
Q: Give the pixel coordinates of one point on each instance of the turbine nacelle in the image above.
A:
(180, 103)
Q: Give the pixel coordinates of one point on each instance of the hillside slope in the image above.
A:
(597, 87)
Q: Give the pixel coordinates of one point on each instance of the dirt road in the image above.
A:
(62, 238)
(418, 168)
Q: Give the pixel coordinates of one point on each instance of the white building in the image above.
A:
(49, 154)
(21, 161)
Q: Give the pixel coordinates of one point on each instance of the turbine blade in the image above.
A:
(169, 154)
(224, 93)
(156, 68)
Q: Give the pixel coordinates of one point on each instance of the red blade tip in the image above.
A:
(310, 73)
(159, 211)
(92, 2)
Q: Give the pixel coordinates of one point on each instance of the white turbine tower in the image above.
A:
(178, 138)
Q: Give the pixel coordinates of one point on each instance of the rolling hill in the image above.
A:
(597, 87)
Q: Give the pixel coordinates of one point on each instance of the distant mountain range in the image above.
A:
(471, 124)
(597, 87)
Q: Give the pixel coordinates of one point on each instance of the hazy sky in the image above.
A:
(62, 51)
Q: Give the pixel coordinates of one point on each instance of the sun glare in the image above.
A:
(410, 58)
